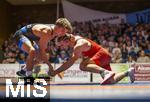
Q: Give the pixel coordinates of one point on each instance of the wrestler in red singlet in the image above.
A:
(99, 55)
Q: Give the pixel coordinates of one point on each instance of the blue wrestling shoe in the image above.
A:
(21, 73)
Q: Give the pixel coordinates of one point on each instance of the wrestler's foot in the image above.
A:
(103, 74)
(21, 73)
(131, 72)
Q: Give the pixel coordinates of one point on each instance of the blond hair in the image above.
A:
(64, 23)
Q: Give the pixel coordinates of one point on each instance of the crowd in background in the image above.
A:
(126, 43)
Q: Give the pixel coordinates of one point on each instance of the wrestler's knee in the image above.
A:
(32, 52)
(83, 66)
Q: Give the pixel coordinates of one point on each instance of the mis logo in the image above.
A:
(28, 90)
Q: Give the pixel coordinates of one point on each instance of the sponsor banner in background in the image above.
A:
(8, 70)
(142, 71)
(140, 16)
(82, 14)
(73, 74)
(115, 68)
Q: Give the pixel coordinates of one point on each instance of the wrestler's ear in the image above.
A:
(72, 39)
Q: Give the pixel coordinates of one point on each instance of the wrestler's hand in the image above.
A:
(52, 74)
(60, 75)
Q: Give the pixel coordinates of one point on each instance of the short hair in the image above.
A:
(64, 23)
(65, 37)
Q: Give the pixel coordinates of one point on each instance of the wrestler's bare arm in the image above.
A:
(66, 65)
(41, 29)
(43, 45)
(77, 53)
(81, 46)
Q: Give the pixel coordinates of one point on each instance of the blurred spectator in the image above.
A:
(143, 58)
(128, 46)
(147, 50)
(63, 57)
(10, 57)
(117, 57)
(116, 49)
(124, 52)
(133, 54)
(130, 59)
(53, 54)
